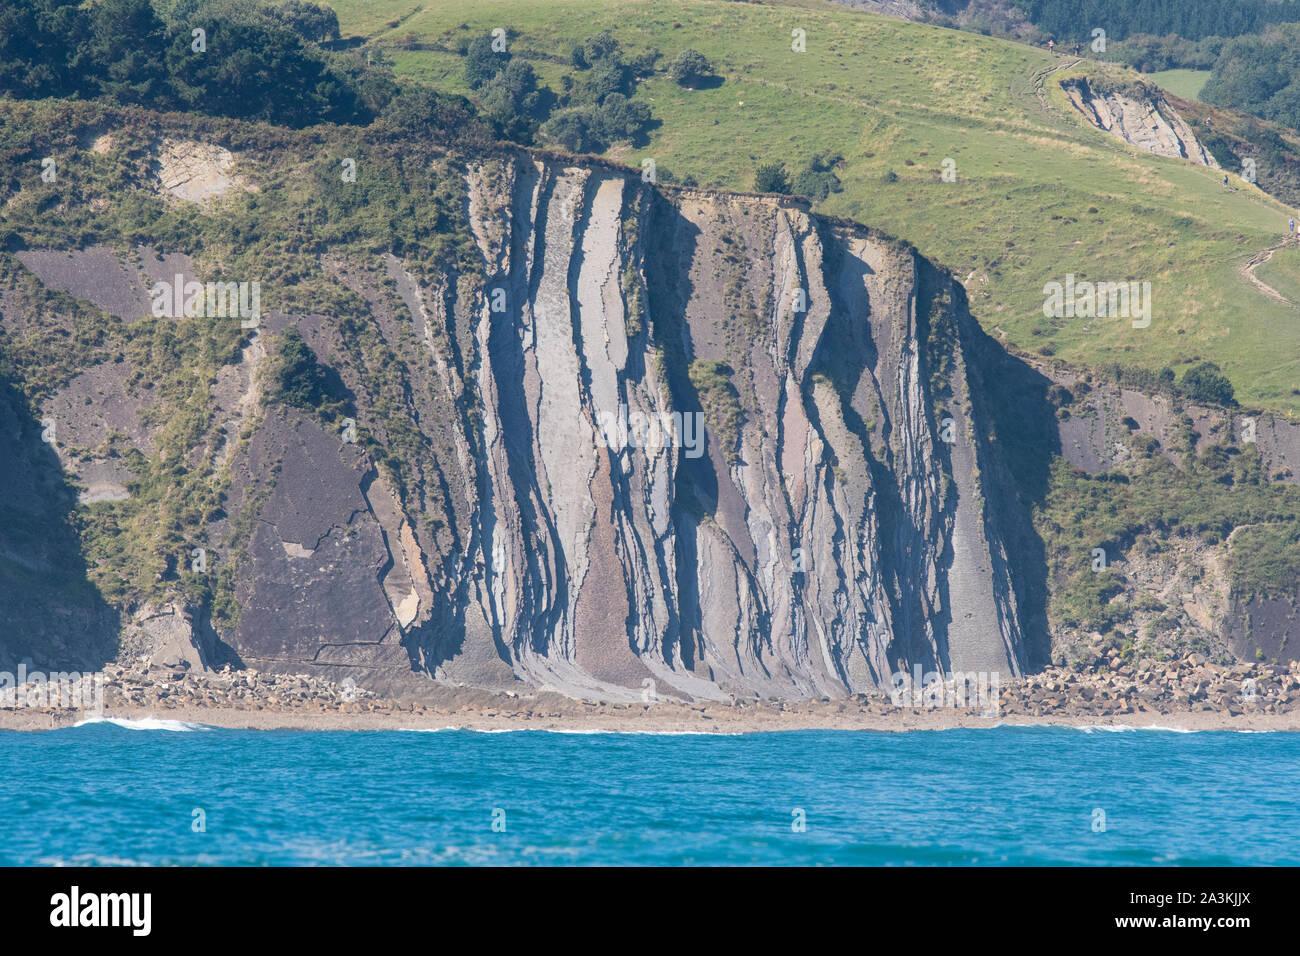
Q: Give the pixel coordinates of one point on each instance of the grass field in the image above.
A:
(1039, 193)
(1282, 272)
(1185, 83)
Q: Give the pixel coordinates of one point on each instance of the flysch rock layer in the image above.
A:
(833, 540)
(1148, 122)
(855, 516)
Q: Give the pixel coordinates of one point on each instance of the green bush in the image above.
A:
(594, 49)
(298, 378)
(689, 67)
(1205, 383)
(482, 63)
(576, 129)
(771, 178)
(720, 403)
(818, 180)
(311, 21)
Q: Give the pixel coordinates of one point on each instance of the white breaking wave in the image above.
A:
(145, 723)
(1116, 728)
(570, 730)
(425, 730)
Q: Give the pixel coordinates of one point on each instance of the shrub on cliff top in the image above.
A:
(771, 178)
(1204, 383)
(299, 379)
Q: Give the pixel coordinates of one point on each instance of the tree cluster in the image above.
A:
(593, 110)
(1147, 53)
(1260, 75)
(815, 181)
(1193, 19)
(248, 62)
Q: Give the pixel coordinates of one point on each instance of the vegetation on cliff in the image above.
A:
(994, 175)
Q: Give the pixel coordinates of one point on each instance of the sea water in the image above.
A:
(161, 792)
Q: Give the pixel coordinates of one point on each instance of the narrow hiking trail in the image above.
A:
(1039, 80)
(1257, 260)
(394, 25)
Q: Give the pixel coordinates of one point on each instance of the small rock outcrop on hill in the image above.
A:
(196, 172)
(1139, 115)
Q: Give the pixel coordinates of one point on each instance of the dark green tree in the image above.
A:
(512, 100)
(482, 63)
(620, 119)
(689, 67)
(122, 57)
(577, 129)
(1205, 383)
(771, 178)
(39, 45)
(299, 378)
(591, 87)
(1260, 75)
(254, 71)
(423, 111)
(819, 180)
(594, 49)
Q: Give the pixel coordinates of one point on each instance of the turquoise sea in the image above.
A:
(168, 793)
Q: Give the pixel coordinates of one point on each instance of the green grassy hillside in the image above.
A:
(1185, 83)
(1039, 193)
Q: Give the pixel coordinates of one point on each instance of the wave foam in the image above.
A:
(571, 730)
(1119, 728)
(144, 723)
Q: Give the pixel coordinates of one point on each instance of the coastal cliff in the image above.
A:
(511, 420)
(830, 528)
(633, 441)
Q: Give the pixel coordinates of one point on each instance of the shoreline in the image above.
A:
(1190, 695)
(663, 719)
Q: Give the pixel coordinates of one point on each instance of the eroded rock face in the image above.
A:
(821, 501)
(196, 172)
(1176, 584)
(310, 584)
(168, 635)
(96, 274)
(1265, 627)
(1146, 121)
(1100, 422)
(52, 617)
(830, 526)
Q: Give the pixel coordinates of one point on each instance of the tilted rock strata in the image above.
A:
(826, 506)
(1148, 121)
(834, 538)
